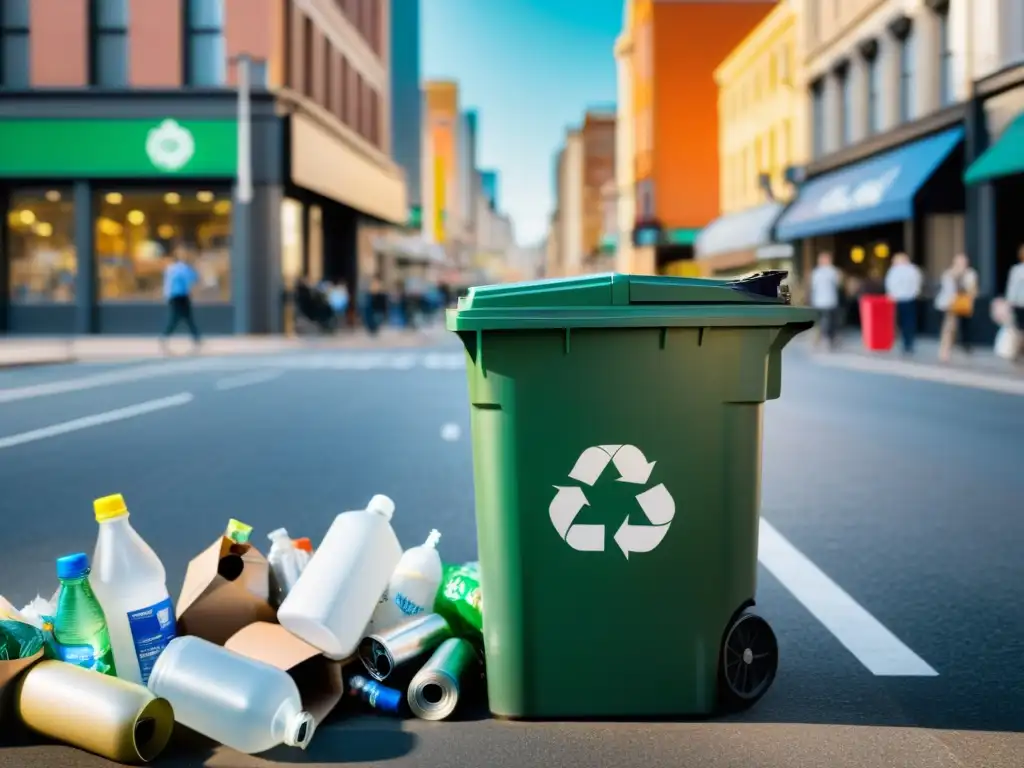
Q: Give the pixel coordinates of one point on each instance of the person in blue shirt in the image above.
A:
(179, 277)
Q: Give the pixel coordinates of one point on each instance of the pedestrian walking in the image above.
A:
(337, 296)
(903, 283)
(1015, 298)
(179, 278)
(826, 281)
(958, 289)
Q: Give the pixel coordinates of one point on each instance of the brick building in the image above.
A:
(119, 143)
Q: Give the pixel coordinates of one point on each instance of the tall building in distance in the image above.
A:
(468, 126)
(489, 188)
(675, 115)
(407, 98)
(598, 135)
(441, 191)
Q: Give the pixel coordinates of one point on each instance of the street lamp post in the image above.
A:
(241, 261)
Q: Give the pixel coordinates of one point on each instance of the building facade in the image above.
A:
(468, 177)
(889, 88)
(407, 99)
(761, 146)
(489, 187)
(598, 137)
(571, 206)
(994, 139)
(119, 145)
(675, 116)
(442, 135)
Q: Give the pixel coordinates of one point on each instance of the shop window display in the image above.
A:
(135, 231)
(41, 246)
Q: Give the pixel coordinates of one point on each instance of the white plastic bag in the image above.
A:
(34, 612)
(1008, 342)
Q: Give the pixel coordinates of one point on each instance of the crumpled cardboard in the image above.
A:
(226, 588)
(10, 673)
(318, 678)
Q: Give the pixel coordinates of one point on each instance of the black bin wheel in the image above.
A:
(750, 659)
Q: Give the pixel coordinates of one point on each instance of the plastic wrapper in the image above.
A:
(19, 640)
(460, 600)
(39, 613)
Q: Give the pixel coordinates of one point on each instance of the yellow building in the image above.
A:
(441, 192)
(762, 146)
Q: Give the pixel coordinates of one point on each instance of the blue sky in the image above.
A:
(531, 68)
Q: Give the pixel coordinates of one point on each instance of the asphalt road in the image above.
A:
(892, 572)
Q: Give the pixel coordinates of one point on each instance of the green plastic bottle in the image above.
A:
(80, 628)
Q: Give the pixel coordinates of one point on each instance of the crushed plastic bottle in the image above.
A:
(80, 628)
(244, 704)
(131, 584)
(286, 562)
(413, 586)
(332, 602)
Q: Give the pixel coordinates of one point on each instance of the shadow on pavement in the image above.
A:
(351, 739)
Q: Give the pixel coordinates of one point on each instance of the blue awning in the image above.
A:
(875, 191)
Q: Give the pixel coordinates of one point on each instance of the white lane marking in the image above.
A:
(334, 362)
(94, 381)
(908, 370)
(451, 432)
(247, 379)
(96, 420)
(862, 634)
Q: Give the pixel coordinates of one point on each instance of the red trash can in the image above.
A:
(878, 322)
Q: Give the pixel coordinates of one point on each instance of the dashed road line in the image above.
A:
(87, 422)
(247, 379)
(908, 370)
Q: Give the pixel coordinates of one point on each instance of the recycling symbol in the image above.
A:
(631, 464)
(170, 145)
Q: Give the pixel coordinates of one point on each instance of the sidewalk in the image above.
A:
(24, 350)
(981, 369)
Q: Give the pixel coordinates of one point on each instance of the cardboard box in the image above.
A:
(224, 592)
(318, 678)
(10, 672)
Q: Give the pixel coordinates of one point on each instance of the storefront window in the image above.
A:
(135, 231)
(41, 246)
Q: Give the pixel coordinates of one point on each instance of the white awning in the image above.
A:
(741, 231)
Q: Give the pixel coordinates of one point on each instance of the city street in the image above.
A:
(891, 547)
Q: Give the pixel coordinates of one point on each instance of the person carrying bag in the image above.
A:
(957, 292)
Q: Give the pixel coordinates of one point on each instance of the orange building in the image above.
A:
(677, 45)
(441, 124)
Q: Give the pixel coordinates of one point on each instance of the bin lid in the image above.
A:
(618, 300)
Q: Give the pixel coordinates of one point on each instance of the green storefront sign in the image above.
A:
(86, 149)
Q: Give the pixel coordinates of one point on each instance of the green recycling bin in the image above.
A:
(616, 424)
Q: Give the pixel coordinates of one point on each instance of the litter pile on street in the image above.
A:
(258, 649)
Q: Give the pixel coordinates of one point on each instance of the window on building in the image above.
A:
(331, 94)
(907, 77)
(818, 118)
(358, 116)
(874, 81)
(375, 118)
(205, 55)
(108, 43)
(308, 56)
(784, 53)
(345, 92)
(947, 84)
(136, 230)
(846, 108)
(786, 150)
(14, 43)
(41, 246)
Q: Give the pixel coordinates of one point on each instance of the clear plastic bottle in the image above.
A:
(244, 704)
(80, 628)
(412, 587)
(131, 585)
(332, 602)
(286, 561)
